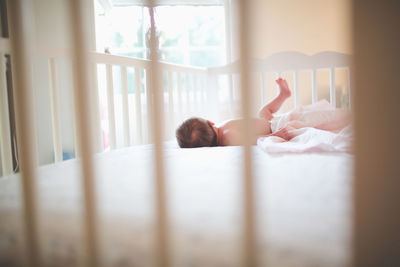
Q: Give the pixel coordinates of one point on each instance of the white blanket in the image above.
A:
(315, 128)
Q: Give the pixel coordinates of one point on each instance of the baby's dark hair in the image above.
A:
(196, 132)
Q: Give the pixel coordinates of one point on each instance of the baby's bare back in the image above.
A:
(231, 131)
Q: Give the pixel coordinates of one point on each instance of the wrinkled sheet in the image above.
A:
(314, 128)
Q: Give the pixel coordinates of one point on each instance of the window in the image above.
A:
(188, 34)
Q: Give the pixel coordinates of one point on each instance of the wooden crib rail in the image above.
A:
(181, 81)
(289, 61)
(101, 58)
(185, 95)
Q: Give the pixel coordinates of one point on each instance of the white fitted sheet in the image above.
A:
(302, 202)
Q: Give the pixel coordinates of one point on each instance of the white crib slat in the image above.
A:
(125, 106)
(231, 96)
(213, 106)
(171, 100)
(262, 81)
(332, 86)
(149, 103)
(78, 152)
(201, 93)
(296, 89)
(5, 139)
(195, 91)
(55, 118)
(161, 227)
(204, 90)
(180, 100)
(138, 106)
(314, 86)
(110, 106)
(85, 131)
(96, 117)
(202, 84)
(349, 86)
(277, 75)
(19, 16)
(249, 229)
(188, 104)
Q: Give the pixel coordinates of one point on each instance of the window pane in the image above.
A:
(206, 58)
(127, 26)
(172, 57)
(191, 25)
(121, 30)
(208, 28)
(172, 25)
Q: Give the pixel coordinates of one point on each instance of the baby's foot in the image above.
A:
(283, 87)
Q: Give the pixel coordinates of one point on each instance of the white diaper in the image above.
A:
(277, 122)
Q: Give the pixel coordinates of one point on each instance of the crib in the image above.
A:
(187, 90)
(201, 86)
(145, 202)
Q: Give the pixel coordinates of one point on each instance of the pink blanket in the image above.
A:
(315, 128)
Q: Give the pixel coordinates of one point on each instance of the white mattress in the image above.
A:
(303, 208)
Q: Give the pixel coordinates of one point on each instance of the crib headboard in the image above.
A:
(295, 61)
(291, 63)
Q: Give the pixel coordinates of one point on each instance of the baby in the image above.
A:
(198, 132)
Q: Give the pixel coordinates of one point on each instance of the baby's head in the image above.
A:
(196, 132)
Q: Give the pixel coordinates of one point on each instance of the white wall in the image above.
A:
(306, 26)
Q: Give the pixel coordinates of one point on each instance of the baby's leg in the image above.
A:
(284, 93)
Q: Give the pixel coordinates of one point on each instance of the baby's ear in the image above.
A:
(210, 122)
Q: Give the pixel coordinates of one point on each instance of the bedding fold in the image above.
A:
(314, 128)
